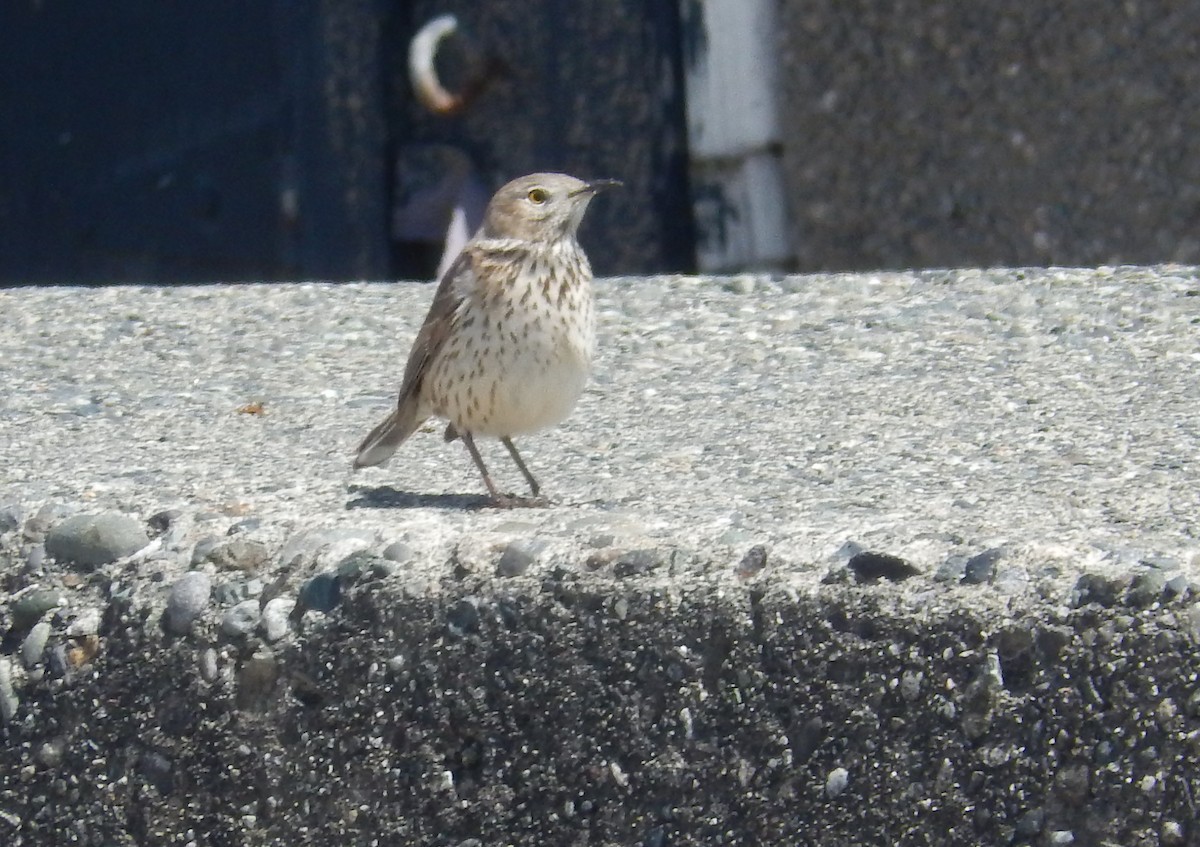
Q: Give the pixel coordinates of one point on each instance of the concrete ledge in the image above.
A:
(847, 559)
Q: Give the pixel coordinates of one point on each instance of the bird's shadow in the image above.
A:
(386, 497)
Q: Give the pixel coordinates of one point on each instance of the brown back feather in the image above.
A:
(438, 323)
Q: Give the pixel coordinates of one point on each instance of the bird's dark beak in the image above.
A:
(598, 185)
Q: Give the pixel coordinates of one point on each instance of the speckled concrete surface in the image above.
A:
(927, 415)
(693, 645)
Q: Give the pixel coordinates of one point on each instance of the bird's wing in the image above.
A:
(456, 282)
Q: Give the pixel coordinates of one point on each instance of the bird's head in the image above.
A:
(540, 207)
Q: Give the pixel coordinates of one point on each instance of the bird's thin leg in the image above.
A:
(469, 440)
(512, 451)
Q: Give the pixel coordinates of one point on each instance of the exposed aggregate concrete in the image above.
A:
(899, 558)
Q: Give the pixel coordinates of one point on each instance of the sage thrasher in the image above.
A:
(507, 345)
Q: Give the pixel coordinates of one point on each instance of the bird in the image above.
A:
(507, 345)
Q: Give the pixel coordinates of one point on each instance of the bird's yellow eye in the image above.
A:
(537, 196)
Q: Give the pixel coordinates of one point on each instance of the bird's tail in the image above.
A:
(382, 441)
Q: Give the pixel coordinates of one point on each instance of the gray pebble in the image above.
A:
(229, 593)
(160, 522)
(656, 837)
(256, 680)
(365, 565)
(241, 620)
(981, 567)
(910, 685)
(952, 569)
(8, 696)
(1177, 586)
(1171, 834)
(463, 616)
(356, 564)
(188, 598)
(1061, 837)
(326, 547)
(836, 782)
(86, 622)
(203, 547)
(177, 537)
(208, 664)
(753, 562)
(41, 521)
(1011, 580)
(10, 517)
(93, 540)
(244, 525)
(35, 557)
(322, 593)
(869, 567)
(30, 607)
(56, 661)
(239, 554)
(1031, 823)
(1146, 588)
(50, 753)
(1094, 588)
(519, 555)
(637, 562)
(275, 618)
(273, 589)
(33, 646)
(399, 552)
(158, 771)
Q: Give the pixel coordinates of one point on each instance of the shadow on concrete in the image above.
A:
(386, 497)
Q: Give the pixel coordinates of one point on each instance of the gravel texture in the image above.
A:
(905, 558)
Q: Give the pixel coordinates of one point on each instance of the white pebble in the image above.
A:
(275, 617)
(836, 782)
